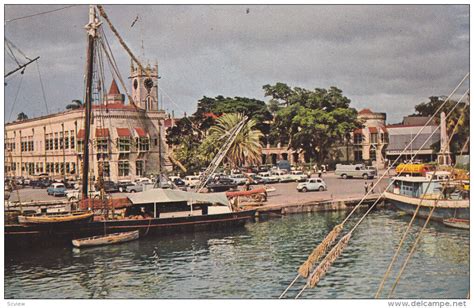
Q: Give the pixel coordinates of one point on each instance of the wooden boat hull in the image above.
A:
(54, 219)
(109, 239)
(444, 208)
(457, 223)
(43, 235)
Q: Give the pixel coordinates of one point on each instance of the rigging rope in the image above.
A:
(391, 166)
(41, 13)
(417, 208)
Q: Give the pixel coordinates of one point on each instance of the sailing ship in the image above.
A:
(157, 211)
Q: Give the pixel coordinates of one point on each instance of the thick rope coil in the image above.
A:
(321, 270)
(319, 251)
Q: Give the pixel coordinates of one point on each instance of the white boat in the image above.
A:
(457, 223)
(108, 239)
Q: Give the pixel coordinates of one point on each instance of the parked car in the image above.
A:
(191, 180)
(312, 184)
(177, 181)
(139, 187)
(357, 170)
(109, 186)
(221, 183)
(298, 176)
(256, 179)
(268, 177)
(44, 183)
(122, 185)
(283, 165)
(144, 181)
(239, 179)
(56, 189)
(282, 176)
(75, 194)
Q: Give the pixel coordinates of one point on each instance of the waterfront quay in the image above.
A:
(338, 189)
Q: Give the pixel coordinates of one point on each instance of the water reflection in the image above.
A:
(257, 261)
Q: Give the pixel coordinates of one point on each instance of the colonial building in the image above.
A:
(422, 146)
(126, 140)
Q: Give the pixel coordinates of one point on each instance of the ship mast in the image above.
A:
(91, 28)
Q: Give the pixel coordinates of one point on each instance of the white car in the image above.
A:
(282, 176)
(268, 177)
(75, 194)
(191, 180)
(312, 184)
(239, 179)
(298, 176)
(144, 181)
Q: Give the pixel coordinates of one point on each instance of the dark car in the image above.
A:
(221, 183)
(109, 186)
(44, 183)
(179, 182)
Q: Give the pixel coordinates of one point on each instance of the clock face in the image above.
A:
(148, 84)
(135, 84)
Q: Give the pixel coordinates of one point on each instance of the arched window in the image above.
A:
(148, 103)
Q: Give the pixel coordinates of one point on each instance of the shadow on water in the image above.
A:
(256, 261)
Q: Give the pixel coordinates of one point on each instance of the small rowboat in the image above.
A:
(56, 218)
(109, 239)
(457, 223)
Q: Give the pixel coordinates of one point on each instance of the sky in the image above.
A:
(386, 58)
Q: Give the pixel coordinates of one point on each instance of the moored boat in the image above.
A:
(79, 216)
(407, 193)
(457, 223)
(108, 239)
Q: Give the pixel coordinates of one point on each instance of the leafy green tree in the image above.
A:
(313, 120)
(75, 104)
(22, 116)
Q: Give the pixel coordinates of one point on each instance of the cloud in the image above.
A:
(383, 57)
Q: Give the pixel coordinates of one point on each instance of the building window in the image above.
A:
(358, 154)
(61, 140)
(56, 143)
(384, 138)
(357, 138)
(124, 145)
(72, 142)
(123, 168)
(143, 144)
(80, 146)
(105, 167)
(73, 168)
(139, 166)
(373, 138)
(156, 142)
(31, 168)
(56, 167)
(102, 145)
(66, 143)
(373, 155)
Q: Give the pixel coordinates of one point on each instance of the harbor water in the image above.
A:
(255, 261)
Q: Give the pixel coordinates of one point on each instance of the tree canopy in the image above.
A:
(313, 120)
(22, 116)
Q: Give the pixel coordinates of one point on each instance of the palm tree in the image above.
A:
(247, 147)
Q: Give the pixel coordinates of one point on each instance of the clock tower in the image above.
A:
(145, 86)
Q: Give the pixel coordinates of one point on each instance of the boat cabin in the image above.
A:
(415, 186)
(168, 203)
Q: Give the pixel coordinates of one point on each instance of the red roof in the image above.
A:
(384, 129)
(140, 131)
(373, 130)
(113, 88)
(168, 122)
(102, 132)
(366, 111)
(123, 132)
(81, 134)
(358, 131)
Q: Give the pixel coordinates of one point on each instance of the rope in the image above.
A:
(41, 13)
(16, 97)
(429, 216)
(414, 215)
(343, 242)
